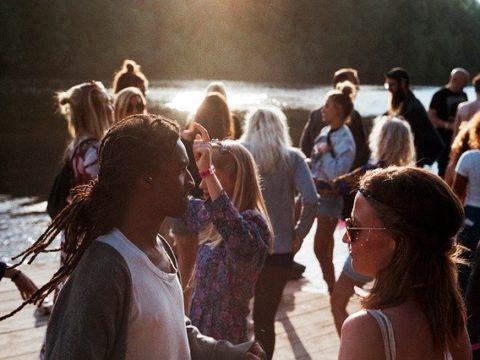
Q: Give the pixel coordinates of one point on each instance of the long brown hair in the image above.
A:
(214, 115)
(424, 216)
(130, 149)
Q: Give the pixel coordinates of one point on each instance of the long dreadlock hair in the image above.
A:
(130, 149)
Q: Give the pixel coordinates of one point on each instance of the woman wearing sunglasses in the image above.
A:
(403, 234)
(129, 101)
(391, 144)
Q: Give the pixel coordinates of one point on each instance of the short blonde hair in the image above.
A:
(391, 141)
(122, 99)
(87, 109)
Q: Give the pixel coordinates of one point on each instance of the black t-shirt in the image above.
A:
(428, 143)
(445, 102)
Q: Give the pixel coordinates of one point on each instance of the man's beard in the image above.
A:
(396, 101)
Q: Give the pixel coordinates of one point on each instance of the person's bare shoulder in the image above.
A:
(361, 338)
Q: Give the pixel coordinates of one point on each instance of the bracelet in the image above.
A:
(208, 172)
(15, 276)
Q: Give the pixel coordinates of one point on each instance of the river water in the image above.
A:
(33, 138)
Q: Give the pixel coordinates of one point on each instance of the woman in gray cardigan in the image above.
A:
(284, 171)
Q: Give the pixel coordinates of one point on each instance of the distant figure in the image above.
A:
(403, 233)
(89, 113)
(467, 109)
(232, 224)
(467, 139)
(315, 122)
(129, 101)
(466, 185)
(214, 115)
(218, 86)
(284, 172)
(130, 75)
(391, 143)
(332, 155)
(428, 144)
(443, 109)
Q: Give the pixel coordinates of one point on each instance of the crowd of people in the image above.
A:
(234, 203)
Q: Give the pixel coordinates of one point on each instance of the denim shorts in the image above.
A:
(352, 274)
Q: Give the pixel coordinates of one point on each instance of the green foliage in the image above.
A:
(271, 40)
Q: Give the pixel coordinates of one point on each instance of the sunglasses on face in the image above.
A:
(354, 231)
(139, 107)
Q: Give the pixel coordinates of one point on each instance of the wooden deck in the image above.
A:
(304, 324)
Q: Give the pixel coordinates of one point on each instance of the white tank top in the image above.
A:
(388, 335)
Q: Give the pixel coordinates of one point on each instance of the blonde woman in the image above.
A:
(391, 143)
(284, 171)
(88, 111)
(213, 114)
(234, 233)
(129, 101)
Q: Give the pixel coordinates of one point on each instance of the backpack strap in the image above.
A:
(388, 335)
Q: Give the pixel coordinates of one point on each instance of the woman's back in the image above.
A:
(278, 189)
(411, 332)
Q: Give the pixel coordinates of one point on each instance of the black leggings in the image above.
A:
(268, 294)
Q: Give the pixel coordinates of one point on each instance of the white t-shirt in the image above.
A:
(469, 166)
(467, 109)
(156, 328)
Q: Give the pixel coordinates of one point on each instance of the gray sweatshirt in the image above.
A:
(91, 316)
(332, 164)
(278, 189)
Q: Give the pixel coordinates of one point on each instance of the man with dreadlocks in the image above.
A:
(123, 298)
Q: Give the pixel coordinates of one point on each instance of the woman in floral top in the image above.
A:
(234, 234)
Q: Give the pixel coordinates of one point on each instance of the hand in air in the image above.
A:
(202, 149)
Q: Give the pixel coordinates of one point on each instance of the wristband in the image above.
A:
(15, 276)
(208, 172)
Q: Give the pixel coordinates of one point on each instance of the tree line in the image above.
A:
(272, 40)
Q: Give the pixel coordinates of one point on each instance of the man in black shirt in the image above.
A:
(443, 109)
(428, 144)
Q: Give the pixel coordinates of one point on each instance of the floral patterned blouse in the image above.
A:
(226, 274)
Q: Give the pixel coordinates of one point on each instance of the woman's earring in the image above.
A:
(149, 179)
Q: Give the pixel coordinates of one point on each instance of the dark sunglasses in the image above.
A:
(139, 107)
(353, 231)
